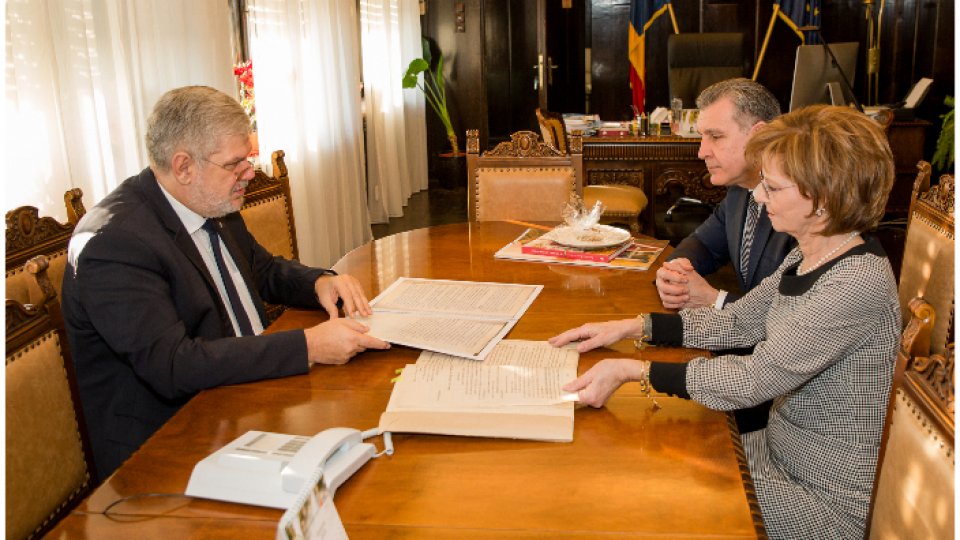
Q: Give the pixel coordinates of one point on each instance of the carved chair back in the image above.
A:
(522, 179)
(927, 269)
(73, 200)
(553, 130)
(29, 235)
(268, 213)
(913, 493)
(48, 459)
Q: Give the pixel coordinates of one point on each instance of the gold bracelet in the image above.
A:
(643, 341)
(645, 386)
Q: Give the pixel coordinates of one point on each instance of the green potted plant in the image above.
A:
(433, 88)
(943, 156)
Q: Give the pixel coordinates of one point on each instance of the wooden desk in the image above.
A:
(664, 167)
(677, 472)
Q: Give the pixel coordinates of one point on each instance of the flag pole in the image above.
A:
(673, 18)
(766, 41)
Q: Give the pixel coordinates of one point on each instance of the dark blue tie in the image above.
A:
(749, 228)
(238, 311)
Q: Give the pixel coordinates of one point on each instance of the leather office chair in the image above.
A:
(695, 61)
(29, 235)
(913, 492)
(927, 269)
(268, 213)
(522, 179)
(49, 464)
(622, 204)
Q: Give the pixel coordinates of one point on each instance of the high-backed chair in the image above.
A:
(552, 129)
(623, 204)
(522, 178)
(268, 212)
(48, 459)
(913, 493)
(29, 235)
(927, 269)
(695, 61)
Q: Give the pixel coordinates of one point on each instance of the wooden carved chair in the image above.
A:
(913, 493)
(29, 235)
(927, 269)
(73, 199)
(521, 179)
(49, 463)
(622, 204)
(268, 212)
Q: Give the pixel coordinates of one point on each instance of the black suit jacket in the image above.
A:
(717, 240)
(146, 325)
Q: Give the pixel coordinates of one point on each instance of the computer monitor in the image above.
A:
(815, 77)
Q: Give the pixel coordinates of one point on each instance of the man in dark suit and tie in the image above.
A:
(164, 290)
(739, 230)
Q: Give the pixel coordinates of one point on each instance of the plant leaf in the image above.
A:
(426, 51)
(417, 66)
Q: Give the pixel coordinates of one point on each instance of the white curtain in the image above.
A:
(396, 124)
(81, 79)
(306, 64)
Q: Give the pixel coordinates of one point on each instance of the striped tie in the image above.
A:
(232, 295)
(749, 227)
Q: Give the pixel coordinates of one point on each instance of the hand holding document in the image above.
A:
(460, 318)
(515, 393)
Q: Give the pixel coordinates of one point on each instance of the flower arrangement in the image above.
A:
(244, 74)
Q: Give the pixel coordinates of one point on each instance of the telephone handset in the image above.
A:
(270, 469)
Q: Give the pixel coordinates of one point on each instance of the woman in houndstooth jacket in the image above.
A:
(824, 329)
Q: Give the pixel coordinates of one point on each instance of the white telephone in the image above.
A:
(270, 469)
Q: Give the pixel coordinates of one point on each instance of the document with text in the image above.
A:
(459, 318)
(514, 393)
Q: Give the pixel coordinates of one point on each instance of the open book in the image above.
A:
(460, 318)
(515, 393)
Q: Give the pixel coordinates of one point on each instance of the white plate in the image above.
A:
(596, 237)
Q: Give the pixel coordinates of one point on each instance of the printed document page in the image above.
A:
(460, 318)
(516, 393)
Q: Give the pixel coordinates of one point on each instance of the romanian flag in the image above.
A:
(643, 13)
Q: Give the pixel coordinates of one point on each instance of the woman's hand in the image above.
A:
(596, 386)
(599, 334)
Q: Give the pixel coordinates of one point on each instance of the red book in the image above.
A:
(544, 246)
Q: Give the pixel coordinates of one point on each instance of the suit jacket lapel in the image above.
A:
(161, 207)
(738, 213)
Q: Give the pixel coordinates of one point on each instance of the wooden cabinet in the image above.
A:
(906, 140)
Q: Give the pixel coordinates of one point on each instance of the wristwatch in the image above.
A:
(721, 297)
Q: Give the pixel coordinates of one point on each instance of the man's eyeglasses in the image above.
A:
(238, 167)
(769, 191)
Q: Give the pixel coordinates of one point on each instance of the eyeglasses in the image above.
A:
(238, 167)
(769, 191)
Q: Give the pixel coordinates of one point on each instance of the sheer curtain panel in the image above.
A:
(306, 58)
(81, 78)
(396, 124)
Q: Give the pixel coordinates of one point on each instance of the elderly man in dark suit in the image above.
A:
(163, 295)
(739, 230)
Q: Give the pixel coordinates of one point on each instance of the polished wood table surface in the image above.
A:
(631, 471)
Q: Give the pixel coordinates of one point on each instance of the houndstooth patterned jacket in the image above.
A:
(824, 350)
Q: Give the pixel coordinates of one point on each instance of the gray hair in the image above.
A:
(752, 102)
(193, 119)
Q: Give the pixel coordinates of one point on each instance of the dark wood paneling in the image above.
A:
(609, 72)
(566, 28)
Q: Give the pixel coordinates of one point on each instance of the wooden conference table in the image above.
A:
(630, 472)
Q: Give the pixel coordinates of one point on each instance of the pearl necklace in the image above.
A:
(824, 259)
